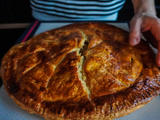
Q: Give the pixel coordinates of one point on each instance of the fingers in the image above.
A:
(158, 59)
(143, 23)
(155, 29)
(150, 38)
(158, 56)
(153, 25)
(135, 31)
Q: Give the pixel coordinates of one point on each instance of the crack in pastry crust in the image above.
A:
(81, 71)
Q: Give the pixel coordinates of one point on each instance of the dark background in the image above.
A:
(19, 11)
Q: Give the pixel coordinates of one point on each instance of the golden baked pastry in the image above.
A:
(81, 71)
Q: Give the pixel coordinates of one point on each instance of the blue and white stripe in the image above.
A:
(76, 9)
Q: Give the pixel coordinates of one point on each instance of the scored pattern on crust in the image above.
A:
(81, 71)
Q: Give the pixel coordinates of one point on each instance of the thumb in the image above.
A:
(135, 31)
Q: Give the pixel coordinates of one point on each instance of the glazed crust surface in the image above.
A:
(81, 71)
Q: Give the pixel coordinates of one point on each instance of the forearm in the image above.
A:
(144, 6)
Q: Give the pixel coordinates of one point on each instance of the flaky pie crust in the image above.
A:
(81, 71)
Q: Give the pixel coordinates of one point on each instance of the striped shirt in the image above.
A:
(46, 10)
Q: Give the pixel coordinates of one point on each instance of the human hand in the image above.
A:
(149, 25)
